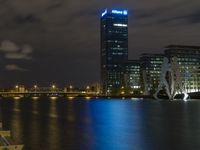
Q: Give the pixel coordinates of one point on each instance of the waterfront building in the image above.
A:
(189, 61)
(133, 76)
(20, 88)
(114, 50)
(150, 71)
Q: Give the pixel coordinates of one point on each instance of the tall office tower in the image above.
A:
(151, 69)
(188, 58)
(114, 49)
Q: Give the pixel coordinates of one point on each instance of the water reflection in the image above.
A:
(53, 130)
(34, 126)
(53, 98)
(88, 98)
(16, 121)
(35, 98)
(53, 108)
(71, 97)
(100, 124)
(35, 106)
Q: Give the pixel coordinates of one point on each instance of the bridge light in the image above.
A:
(88, 87)
(35, 86)
(71, 87)
(17, 86)
(53, 86)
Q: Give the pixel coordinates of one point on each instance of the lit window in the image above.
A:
(120, 25)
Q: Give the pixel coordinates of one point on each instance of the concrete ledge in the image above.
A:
(12, 147)
(5, 133)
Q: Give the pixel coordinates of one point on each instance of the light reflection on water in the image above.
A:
(114, 124)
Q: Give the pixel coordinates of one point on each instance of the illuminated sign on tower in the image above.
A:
(114, 11)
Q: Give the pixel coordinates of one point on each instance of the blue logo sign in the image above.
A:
(125, 12)
(104, 13)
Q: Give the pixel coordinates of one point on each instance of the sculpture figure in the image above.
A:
(146, 90)
(175, 79)
(166, 67)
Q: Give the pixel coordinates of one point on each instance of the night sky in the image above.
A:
(58, 41)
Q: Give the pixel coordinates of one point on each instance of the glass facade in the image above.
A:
(189, 62)
(114, 49)
(133, 76)
(150, 71)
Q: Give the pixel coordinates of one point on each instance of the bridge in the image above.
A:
(48, 93)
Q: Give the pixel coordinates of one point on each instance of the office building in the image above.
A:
(114, 50)
(133, 76)
(189, 61)
(150, 71)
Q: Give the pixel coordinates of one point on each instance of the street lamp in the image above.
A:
(53, 86)
(88, 87)
(35, 87)
(70, 88)
(16, 88)
(122, 90)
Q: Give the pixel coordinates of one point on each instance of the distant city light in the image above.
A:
(120, 25)
(125, 12)
(104, 13)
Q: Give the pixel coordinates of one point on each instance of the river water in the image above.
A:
(102, 124)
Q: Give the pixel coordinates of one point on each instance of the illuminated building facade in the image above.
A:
(133, 76)
(189, 61)
(114, 49)
(150, 70)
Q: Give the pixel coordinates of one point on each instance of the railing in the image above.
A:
(48, 93)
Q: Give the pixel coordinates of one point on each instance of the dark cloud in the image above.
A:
(65, 34)
(14, 67)
(30, 18)
(12, 51)
(8, 46)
